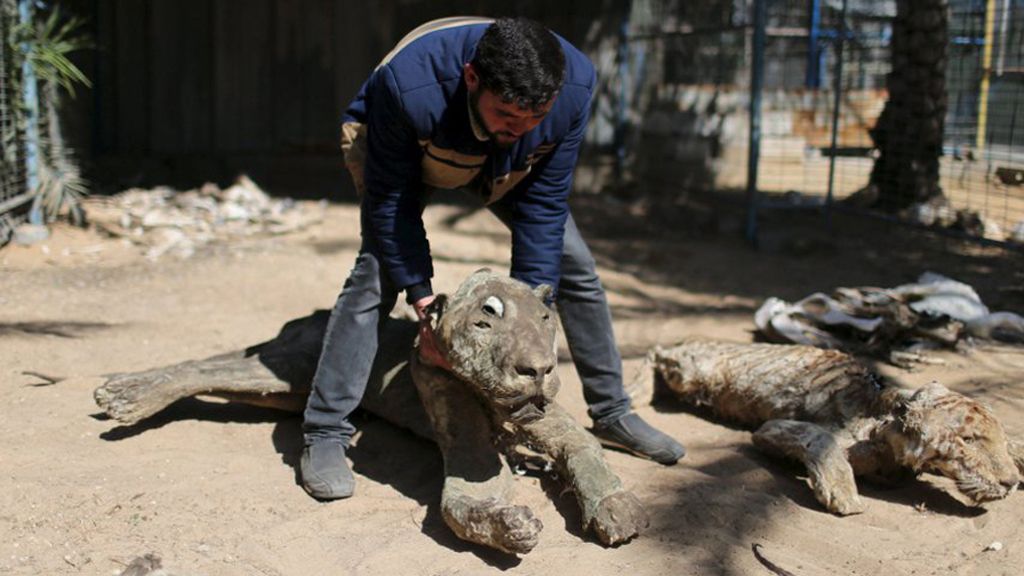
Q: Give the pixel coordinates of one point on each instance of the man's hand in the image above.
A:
(428, 350)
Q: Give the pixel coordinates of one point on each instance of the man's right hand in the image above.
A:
(428, 349)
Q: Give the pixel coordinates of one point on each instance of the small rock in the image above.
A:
(994, 547)
(991, 230)
(28, 234)
(166, 239)
(1017, 235)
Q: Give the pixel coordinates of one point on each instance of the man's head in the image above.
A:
(514, 78)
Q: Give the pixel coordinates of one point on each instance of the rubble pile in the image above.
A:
(163, 220)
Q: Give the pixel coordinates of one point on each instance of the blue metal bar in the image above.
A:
(832, 34)
(814, 52)
(837, 101)
(968, 41)
(12, 203)
(756, 89)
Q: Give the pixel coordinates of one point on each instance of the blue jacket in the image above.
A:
(419, 134)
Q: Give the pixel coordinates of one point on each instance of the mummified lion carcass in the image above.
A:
(826, 410)
(499, 338)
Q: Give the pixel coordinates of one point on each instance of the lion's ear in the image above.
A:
(929, 393)
(913, 410)
(544, 292)
(486, 271)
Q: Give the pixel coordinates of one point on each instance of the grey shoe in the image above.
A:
(325, 473)
(632, 434)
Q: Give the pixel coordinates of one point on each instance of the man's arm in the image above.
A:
(393, 190)
(540, 211)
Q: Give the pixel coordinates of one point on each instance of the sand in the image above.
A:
(212, 488)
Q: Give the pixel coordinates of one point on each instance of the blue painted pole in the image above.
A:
(814, 52)
(756, 89)
(31, 98)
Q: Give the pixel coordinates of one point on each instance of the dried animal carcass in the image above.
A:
(488, 331)
(828, 411)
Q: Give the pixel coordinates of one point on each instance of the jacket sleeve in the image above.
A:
(393, 189)
(540, 210)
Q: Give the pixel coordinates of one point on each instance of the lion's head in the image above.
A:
(943, 432)
(499, 337)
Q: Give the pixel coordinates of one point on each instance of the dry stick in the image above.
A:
(768, 563)
(49, 380)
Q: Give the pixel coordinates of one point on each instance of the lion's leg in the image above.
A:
(129, 398)
(614, 513)
(875, 462)
(275, 374)
(831, 476)
(258, 375)
(477, 485)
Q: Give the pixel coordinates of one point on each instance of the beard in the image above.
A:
(502, 140)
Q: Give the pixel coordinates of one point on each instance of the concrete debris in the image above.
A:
(28, 234)
(164, 221)
(940, 214)
(1017, 235)
(932, 214)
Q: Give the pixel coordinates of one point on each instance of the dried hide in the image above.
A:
(935, 312)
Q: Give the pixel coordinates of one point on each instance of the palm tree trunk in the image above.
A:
(909, 131)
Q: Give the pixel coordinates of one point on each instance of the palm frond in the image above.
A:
(46, 45)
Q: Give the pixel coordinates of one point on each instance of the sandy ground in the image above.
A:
(212, 488)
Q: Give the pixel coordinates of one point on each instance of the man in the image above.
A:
(498, 108)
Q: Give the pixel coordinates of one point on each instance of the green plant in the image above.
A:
(45, 44)
(60, 183)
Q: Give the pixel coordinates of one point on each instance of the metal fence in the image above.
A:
(785, 103)
(13, 188)
(983, 163)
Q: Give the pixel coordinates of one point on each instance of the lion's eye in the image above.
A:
(493, 306)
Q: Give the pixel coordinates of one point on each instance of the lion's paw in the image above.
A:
(618, 518)
(515, 529)
(838, 495)
(845, 504)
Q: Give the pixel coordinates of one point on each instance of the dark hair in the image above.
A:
(521, 61)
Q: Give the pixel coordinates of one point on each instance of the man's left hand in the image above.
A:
(429, 352)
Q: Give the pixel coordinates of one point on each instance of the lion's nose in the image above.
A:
(534, 372)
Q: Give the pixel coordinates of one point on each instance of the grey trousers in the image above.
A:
(368, 296)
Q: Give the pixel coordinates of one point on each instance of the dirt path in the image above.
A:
(212, 488)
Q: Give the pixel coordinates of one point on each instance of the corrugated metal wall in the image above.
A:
(209, 83)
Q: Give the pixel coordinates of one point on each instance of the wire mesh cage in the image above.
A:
(909, 109)
(982, 167)
(13, 208)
